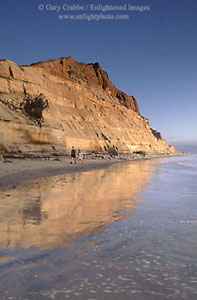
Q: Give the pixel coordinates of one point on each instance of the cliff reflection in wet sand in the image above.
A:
(57, 210)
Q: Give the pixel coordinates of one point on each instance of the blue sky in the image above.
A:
(152, 56)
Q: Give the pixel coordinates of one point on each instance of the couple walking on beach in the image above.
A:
(76, 155)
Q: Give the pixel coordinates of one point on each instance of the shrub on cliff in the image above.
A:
(34, 106)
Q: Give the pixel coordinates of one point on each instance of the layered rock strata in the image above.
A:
(51, 106)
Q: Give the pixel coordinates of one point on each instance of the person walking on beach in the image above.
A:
(80, 156)
(73, 155)
(1, 155)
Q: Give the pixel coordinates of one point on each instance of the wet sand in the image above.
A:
(19, 172)
(123, 232)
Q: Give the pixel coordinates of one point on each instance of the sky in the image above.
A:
(151, 54)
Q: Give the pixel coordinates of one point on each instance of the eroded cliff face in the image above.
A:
(51, 106)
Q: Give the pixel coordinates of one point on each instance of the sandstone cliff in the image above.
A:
(50, 106)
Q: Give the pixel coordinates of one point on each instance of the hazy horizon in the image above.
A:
(185, 146)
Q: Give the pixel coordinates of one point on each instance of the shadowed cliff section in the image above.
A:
(50, 106)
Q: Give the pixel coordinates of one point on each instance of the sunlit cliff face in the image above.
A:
(83, 108)
(57, 210)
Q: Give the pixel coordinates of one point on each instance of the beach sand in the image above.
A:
(20, 172)
(123, 232)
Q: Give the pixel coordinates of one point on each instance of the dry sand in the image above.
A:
(20, 172)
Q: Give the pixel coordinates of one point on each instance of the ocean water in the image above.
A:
(126, 232)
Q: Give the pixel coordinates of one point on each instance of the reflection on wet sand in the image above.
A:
(57, 210)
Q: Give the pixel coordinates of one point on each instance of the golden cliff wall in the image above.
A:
(85, 109)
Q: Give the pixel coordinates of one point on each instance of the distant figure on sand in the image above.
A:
(73, 155)
(80, 156)
(1, 157)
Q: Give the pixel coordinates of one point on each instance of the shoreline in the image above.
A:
(21, 172)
